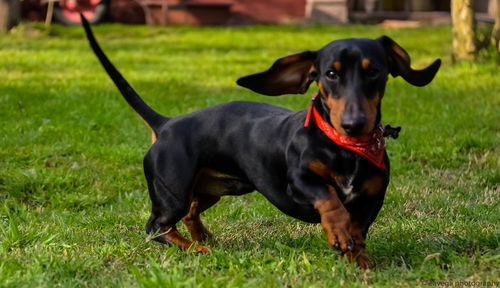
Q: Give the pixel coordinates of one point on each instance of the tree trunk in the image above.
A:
(10, 13)
(495, 35)
(464, 29)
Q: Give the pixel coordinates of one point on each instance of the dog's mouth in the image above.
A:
(353, 133)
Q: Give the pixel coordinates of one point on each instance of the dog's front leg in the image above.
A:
(359, 253)
(335, 220)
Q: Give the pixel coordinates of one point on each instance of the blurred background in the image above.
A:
(389, 13)
(244, 12)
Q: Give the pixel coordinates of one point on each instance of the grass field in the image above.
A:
(73, 199)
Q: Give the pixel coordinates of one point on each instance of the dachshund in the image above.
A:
(325, 164)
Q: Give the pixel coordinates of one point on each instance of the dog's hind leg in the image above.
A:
(200, 203)
(170, 197)
(208, 188)
(173, 236)
(204, 194)
(167, 210)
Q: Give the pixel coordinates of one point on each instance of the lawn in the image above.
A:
(74, 202)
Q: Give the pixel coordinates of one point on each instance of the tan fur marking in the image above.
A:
(173, 236)
(337, 65)
(193, 223)
(365, 63)
(320, 169)
(322, 91)
(153, 137)
(370, 109)
(336, 107)
(290, 59)
(207, 182)
(373, 185)
(401, 53)
(311, 69)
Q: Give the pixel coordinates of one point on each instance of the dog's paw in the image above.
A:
(363, 261)
(337, 229)
(202, 249)
(342, 240)
(361, 258)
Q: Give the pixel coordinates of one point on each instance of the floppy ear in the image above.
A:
(289, 75)
(399, 64)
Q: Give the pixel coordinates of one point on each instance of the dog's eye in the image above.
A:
(331, 75)
(372, 73)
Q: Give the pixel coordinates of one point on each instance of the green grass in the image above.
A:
(73, 199)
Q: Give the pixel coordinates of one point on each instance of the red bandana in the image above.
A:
(371, 147)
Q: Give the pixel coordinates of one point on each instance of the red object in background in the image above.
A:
(187, 12)
(71, 9)
(270, 11)
(68, 11)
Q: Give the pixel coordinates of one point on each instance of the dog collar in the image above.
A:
(371, 147)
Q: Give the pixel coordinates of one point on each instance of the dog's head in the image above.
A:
(351, 75)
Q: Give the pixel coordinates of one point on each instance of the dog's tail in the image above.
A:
(153, 119)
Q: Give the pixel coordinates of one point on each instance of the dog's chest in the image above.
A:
(351, 179)
(356, 182)
(347, 189)
(355, 185)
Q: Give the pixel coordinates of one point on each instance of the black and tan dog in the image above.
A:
(326, 164)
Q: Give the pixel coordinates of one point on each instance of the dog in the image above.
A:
(326, 164)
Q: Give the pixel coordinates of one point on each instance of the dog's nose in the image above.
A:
(353, 124)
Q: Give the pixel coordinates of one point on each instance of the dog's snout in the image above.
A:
(353, 124)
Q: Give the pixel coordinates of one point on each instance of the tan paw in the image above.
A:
(202, 249)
